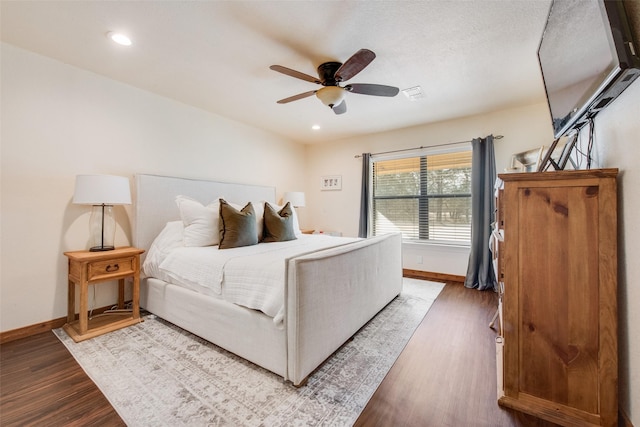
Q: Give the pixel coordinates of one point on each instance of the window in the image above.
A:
(426, 197)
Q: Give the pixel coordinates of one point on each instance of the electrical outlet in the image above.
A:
(419, 259)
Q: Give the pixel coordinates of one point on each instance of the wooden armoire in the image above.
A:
(557, 268)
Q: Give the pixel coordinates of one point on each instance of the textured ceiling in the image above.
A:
(469, 57)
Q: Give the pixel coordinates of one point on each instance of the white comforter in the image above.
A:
(251, 276)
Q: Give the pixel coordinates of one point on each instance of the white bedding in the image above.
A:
(250, 276)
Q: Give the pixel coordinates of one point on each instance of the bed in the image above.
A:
(326, 296)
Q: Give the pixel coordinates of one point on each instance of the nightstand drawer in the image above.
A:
(110, 268)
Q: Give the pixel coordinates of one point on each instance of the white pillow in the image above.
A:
(296, 224)
(200, 222)
(258, 208)
(169, 238)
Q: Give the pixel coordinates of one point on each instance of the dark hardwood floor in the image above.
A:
(444, 377)
(42, 385)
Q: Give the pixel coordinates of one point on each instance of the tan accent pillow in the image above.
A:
(237, 227)
(278, 225)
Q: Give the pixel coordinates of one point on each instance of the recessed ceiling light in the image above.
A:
(119, 38)
(315, 127)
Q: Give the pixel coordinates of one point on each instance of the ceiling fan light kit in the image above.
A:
(331, 75)
(331, 95)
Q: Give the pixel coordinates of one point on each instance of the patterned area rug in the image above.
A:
(156, 374)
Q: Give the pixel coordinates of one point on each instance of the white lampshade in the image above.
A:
(296, 198)
(102, 189)
(331, 95)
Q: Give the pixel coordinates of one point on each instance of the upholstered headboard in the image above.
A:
(155, 201)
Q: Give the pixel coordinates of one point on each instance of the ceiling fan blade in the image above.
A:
(340, 108)
(354, 65)
(294, 73)
(371, 89)
(296, 97)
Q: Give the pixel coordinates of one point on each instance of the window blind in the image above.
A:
(425, 197)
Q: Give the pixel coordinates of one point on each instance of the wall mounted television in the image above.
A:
(587, 58)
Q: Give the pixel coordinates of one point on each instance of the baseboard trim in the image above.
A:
(27, 331)
(434, 277)
(623, 419)
(38, 328)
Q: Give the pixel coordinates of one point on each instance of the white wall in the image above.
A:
(523, 128)
(617, 145)
(59, 121)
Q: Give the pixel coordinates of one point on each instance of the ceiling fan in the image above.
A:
(331, 74)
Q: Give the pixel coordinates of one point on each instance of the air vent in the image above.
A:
(414, 93)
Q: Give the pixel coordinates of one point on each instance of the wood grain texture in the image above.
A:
(608, 304)
(42, 384)
(446, 375)
(433, 277)
(91, 268)
(28, 331)
(558, 307)
(31, 330)
(559, 304)
(562, 175)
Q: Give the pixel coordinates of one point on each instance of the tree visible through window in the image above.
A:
(426, 198)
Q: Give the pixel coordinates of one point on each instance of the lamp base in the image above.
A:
(103, 228)
(101, 248)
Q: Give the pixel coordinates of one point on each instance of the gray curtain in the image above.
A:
(363, 229)
(480, 273)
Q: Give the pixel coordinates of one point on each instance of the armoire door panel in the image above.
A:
(558, 304)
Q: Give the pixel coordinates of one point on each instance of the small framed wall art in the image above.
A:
(331, 182)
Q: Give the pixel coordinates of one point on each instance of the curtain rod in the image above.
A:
(421, 147)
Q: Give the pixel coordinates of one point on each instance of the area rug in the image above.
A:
(156, 374)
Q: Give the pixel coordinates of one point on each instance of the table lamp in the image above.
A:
(102, 192)
(296, 198)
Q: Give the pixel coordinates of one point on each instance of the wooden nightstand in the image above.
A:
(87, 268)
